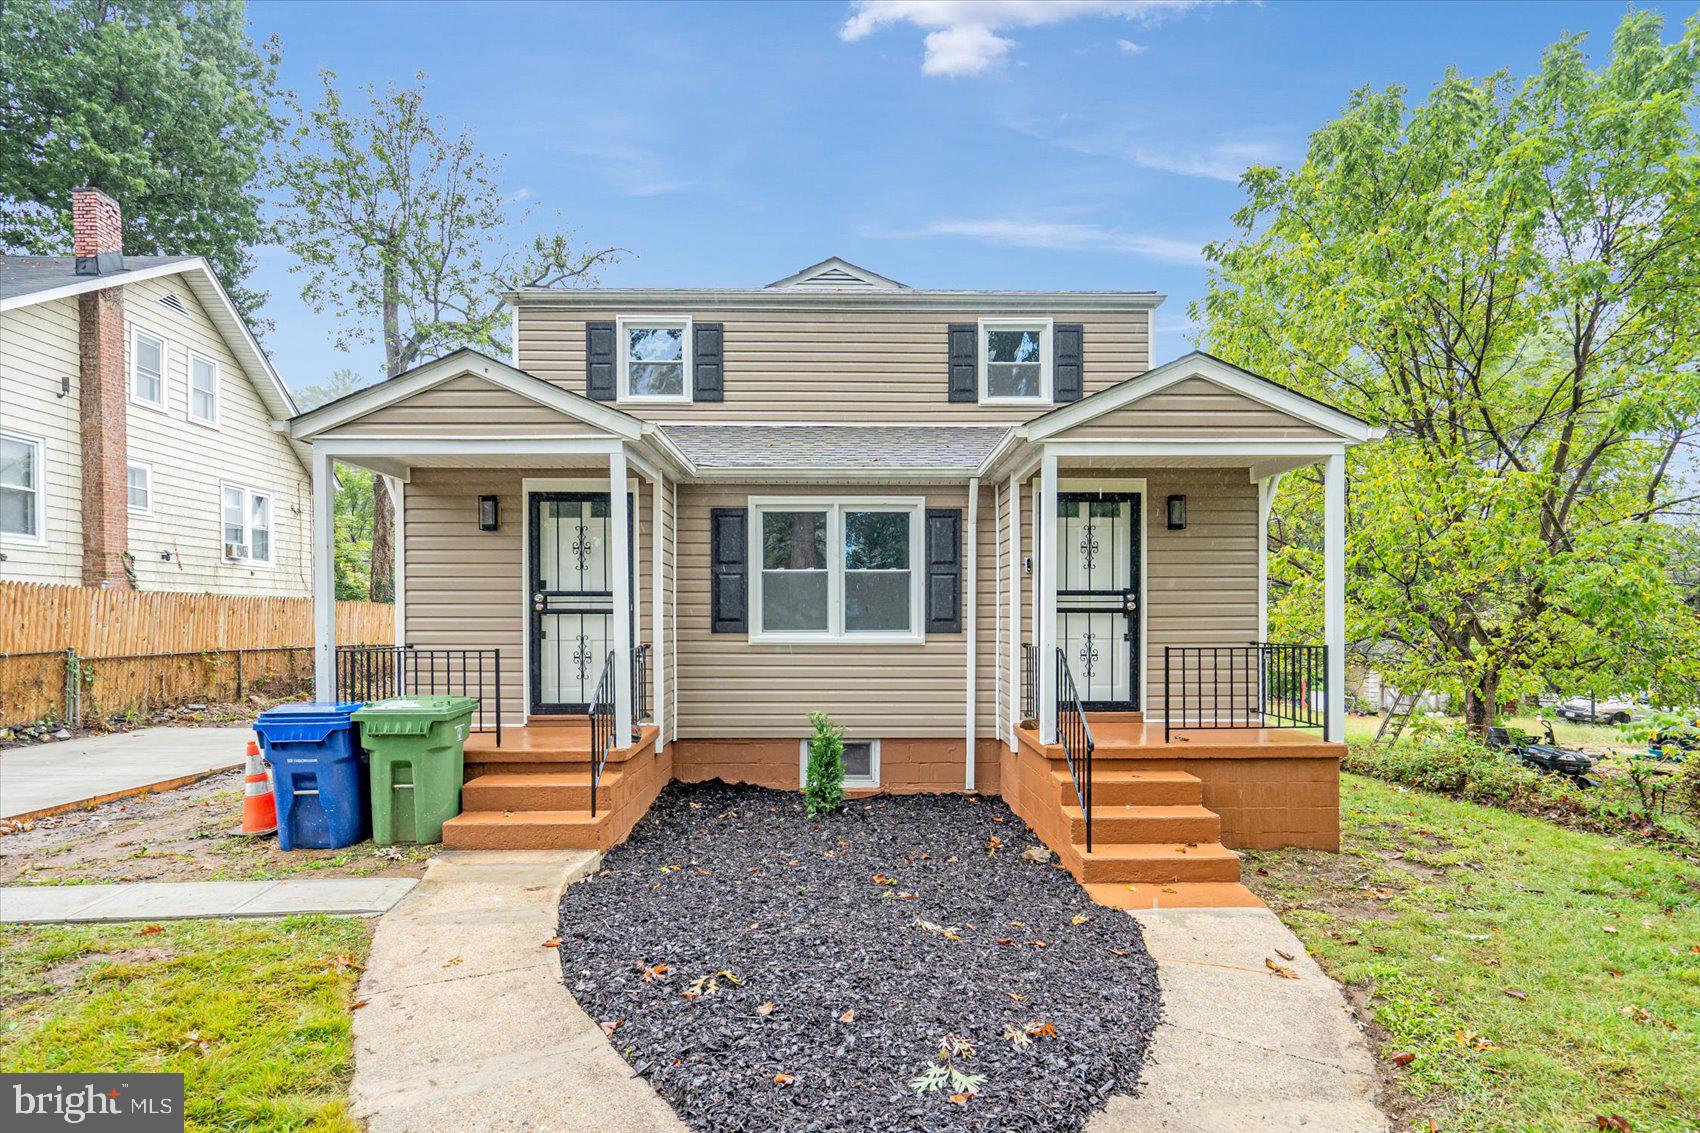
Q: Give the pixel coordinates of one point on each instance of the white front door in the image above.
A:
(572, 598)
(1098, 595)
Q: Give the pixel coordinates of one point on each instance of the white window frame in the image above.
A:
(1047, 388)
(855, 782)
(38, 468)
(248, 497)
(138, 333)
(625, 323)
(147, 470)
(835, 507)
(218, 382)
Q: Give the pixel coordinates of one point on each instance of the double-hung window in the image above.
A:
(21, 497)
(203, 390)
(147, 368)
(654, 359)
(840, 570)
(1015, 361)
(247, 525)
(139, 486)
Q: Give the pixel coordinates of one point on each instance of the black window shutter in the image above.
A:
(707, 366)
(944, 570)
(729, 567)
(599, 361)
(964, 362)
(1067, 373)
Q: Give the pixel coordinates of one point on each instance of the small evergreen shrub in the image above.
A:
(823, 790)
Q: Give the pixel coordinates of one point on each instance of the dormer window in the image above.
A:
(655, 359)
(1015, 361)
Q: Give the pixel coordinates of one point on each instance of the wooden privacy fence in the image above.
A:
(71, 653)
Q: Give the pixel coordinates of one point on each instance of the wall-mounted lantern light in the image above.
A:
(489, 513)
(1177, 513)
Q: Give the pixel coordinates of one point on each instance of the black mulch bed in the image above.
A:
(720, 878)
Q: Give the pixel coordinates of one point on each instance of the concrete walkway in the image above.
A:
(1242, 1048)
(467, 1023)
(196, 900)
(49, 778)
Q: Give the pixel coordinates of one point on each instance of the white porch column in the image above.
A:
(1044, 557)
(657, 617)
(620, 566)
(971, 624)
(1334, 589)
(324, 577)
(1014, 607)
(398, 508)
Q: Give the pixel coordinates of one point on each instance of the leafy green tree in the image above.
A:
(164, 104)
(1508, 276)
(407, 237)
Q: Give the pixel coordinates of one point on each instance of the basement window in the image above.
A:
(861, 763)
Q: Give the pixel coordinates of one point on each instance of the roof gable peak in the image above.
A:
(836, 274)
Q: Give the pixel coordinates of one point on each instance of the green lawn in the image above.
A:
(1542, 977)
(255, 1014)
(1575, 735)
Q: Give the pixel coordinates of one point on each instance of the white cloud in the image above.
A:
(1224, 161)
(962, 35)
(1131, 48)
(1069, 237)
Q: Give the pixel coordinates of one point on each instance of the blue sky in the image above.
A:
(1079, 144)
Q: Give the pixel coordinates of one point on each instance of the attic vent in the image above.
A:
(834, 274)
(171, 299)
(838, 277)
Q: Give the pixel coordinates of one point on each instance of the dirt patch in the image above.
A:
(180, 835)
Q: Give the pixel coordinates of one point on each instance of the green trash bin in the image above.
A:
(417, 749)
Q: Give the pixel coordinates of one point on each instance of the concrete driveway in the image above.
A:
(46, 778)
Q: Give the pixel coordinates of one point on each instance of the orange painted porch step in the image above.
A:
(1157, 862)
(1138, 788)
(526, 830)
(566, 789)
(1117, 824)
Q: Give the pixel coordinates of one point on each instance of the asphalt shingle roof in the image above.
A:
(836, 446)
(25, 275)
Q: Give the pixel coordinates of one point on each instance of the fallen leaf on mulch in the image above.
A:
(149, 930)
(1038, 854)
(609, 1026)
(652, 973)
(952, 933)
(1281, 970)
(1403, 1058)
(1118, 952)
(961, 1099)
(1078, 919)
(552, 942)
(993, 844)
(848, 1017)
(784, 1079)
(1045, 1030)
(765, 1010)
(882, 879)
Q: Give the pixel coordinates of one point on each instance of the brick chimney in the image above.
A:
(97, 228)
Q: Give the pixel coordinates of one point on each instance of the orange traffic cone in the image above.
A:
(259, 805)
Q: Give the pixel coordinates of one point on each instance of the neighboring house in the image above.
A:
(970, 525)
(136, 436)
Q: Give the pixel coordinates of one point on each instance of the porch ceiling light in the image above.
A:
(489, 513)
(1177, 513)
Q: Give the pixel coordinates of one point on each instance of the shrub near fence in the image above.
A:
(73, 653)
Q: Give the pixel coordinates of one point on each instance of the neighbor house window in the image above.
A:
(861, 763)
(655, 359)
(21, 497)
(247, 525)
(203, 390)
(837, 570)
(147, 369)
(140, 489)
(1015, 360)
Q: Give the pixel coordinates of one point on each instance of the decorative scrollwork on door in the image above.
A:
(583, 543)
(1088, 655)
(1089, 546)
(581, 657)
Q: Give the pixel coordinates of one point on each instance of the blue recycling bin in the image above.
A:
(318, 775)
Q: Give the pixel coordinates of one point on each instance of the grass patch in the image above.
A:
(254, 1014)
(1542, 977)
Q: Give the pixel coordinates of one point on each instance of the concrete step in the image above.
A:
(525, 830)
(548, 790)
(1154, 861)
(1133, 824)
(1135, 788)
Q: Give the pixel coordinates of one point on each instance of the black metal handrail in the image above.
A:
(1257, 685)
(601, 727)
(640, 682)
(1074, 733)
(373, 672)
(1029, 681)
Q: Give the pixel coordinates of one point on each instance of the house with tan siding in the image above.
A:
(977, 528)
(137, 438)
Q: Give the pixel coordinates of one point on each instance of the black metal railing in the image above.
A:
(1258, 685)
(601, 727)
(1074, 733)
(1029, 682)
(373, 672)
(640, 683)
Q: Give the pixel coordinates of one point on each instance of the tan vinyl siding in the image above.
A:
(864, 366)
(1197, 407)
(731, 688)
(38, 351)
(190, 461)
(467, 406)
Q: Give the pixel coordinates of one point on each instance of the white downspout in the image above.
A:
(1046, 540)
(972, 591)
(619, 565)
(1334, 589)
(657, 626)
(1014, 608)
